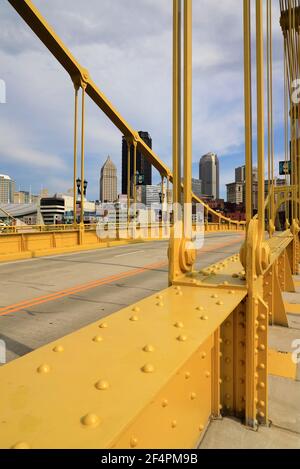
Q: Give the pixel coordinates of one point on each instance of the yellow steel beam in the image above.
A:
(140, 378)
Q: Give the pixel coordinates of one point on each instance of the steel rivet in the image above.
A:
(159, 297)
(21, 445)
(179, 325)
(44, 369)
(262, 328)
(133, 442)
(136, 309)
(228, 397)
(227, 360)
(165, 403)
(200, 308)
(97, 339)
(187, 375)
(182, 338)
(204, 318)
(58, 349)
(203, 355)
(134, 319)
(103, 325)
(262, 348)
(262, 366)
(228, 324)
(215, 296)
(160, 305)
(201, 428)
(179, 293)
(193, 396)
(174, 424)
(148, 349)
(207, 374)
(262, 385)
(90, 420)
(148, 368)
(102, 385)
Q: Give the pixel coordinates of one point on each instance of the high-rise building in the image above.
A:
(240, 178)
(235, 192)
(240, 174)
(108, 182)
(7, 189)
(197, 187)
(143, 166)
(209, 174)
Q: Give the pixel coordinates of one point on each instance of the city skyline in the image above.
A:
(218, 123)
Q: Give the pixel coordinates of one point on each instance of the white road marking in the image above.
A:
(129, 253)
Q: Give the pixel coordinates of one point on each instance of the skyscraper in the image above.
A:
(143, 166)
(108, 182)
(7, 189)
(209, 175)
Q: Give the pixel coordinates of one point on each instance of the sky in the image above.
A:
(127, 47)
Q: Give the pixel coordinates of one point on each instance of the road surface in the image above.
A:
(44, 299)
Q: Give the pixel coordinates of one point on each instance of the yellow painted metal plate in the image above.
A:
(281, 364)
(84, 390)
(227, 273)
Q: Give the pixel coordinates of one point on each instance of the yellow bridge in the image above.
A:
(164, 371)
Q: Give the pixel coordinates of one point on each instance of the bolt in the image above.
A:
(21, 445)
(148, 349)
(103, 325)
(133, 442)
(148, 368)
(102, 385)
(134, 319)
(44, 369)
(90, 420)
(58, 349)
(182, 338)
(97, 339)
(179, 325)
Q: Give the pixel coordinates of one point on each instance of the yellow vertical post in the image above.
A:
(75, 156)
(176, 102)
(128, 179)
(260, 117)
(248, 108)
(174, 267)
(188, 118)
(134, 172)
(82, 153)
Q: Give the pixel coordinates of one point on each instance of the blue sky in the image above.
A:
(127, 47)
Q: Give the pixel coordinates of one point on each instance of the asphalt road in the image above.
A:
(44, 299)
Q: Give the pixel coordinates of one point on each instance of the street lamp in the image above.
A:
(85, 184)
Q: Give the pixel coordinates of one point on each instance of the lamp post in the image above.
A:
(79, 185)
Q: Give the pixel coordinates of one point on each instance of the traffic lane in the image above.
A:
(33, 327)
(35, 277)
(23, 280)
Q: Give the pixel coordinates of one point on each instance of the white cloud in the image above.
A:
(127, 46)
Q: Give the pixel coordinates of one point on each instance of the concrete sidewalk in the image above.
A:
(284, 403)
